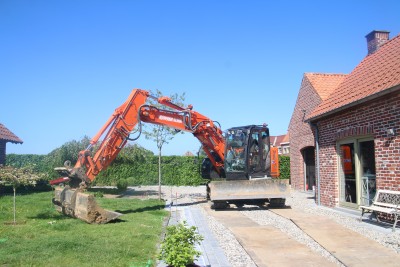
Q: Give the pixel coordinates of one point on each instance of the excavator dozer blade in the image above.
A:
(75, 203)
(249, 189)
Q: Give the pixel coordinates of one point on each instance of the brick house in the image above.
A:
(5, 137)
(282, 143)
(354, 129)
(315, 87)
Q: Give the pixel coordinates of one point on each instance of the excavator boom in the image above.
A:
(116, 131)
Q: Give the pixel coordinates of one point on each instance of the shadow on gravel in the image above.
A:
(186, 204)
(108, 191)
(382, 224)
(251, 208)
(280, 208)
(155, 207)
(144, 193)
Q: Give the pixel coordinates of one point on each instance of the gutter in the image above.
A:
(315, 126)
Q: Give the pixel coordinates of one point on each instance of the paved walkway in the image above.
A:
(350, 248)
(267, 245)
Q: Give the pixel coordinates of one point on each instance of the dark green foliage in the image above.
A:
(47, 163)
(175, 170)
(284, 167)
(18, 161)
(68, 151)
(135, 164)
(122, 184)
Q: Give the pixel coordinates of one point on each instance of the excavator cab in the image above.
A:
(247, 153)
(251, 167)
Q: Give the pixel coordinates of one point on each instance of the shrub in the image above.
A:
(284, 167)
(122, 184)
(178, 247)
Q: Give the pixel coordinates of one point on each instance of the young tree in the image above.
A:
(17, 177)
(162, 134)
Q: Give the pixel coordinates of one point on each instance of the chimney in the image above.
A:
(375, 40)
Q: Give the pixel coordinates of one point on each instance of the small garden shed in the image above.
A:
(6, 136)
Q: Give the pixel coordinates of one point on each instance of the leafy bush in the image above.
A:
(122, 184)
(284, 167)
(178, 247)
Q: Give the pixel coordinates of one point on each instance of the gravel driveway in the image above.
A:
(194, 198)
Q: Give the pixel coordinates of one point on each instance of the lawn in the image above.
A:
(43, 237)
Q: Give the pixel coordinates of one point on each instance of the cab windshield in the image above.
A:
(235, 152)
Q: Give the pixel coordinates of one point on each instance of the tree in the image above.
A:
(133, 152)
(68, 151)
(17, 177)
(159, 133)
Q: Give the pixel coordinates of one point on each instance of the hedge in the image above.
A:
(175, 170)
(284, 167)
(141, 169)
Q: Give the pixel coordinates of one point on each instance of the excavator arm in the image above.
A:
(204, 129)
(127, 118)
(71, 200)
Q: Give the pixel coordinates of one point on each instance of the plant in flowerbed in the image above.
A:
(178, 247)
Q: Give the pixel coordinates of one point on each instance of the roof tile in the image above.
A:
(8, 136)
(324, 83)
(376, 73)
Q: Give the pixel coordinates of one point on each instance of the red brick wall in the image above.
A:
(300, 133)
(375, 117)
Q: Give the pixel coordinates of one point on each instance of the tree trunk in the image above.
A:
(159, 173)
(15, 210)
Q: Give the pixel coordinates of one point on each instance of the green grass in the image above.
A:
(43, 237)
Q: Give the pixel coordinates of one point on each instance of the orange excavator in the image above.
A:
(241, 165)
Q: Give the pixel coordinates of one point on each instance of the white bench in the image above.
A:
(385, 201)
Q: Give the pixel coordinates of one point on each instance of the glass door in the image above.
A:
(347, 174)
(367, 171)
(357, 177)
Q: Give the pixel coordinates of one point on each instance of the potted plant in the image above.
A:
(178, 248)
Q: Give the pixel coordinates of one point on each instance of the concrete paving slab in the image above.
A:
(212, 254)
(266, 245)
(350, 248)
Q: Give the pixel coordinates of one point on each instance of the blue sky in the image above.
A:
(66, 65)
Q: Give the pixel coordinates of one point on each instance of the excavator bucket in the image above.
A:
(75, 203)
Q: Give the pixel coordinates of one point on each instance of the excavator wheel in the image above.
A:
(239, 204)
(277, 202)
(219, 205)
